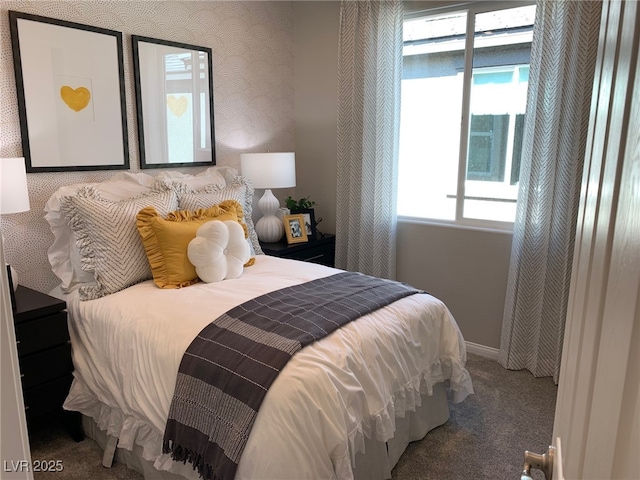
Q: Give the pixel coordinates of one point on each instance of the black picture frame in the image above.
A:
(309, 221)
(12, 292)
(76, 106)
(165, 91)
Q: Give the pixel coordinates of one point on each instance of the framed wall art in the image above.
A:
(174, 100)
(71, 94)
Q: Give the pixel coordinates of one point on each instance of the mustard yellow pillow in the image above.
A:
(165, 240)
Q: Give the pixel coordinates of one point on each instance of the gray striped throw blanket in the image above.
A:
(225, 373)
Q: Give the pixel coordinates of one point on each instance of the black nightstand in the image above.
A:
(322, 250)
(44, 355)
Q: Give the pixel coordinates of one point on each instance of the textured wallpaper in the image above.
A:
(252, 45)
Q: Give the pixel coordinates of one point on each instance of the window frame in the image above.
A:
(472, 9)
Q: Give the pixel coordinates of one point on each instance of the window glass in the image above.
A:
(435, 143)
(487, 147)
(430, 118)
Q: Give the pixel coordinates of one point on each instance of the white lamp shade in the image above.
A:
(14, 195)
(269, 170)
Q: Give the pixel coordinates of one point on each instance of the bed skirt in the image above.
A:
(375, 464)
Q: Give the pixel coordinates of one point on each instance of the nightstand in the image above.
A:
(321, 250)
(44, 355)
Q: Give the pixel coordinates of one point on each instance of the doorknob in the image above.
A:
(540, 462)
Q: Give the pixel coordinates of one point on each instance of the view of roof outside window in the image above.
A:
(433, 89)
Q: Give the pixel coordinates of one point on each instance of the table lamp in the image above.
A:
(14, 195)
(269, 170)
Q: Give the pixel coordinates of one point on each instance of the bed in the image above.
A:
(343, 407)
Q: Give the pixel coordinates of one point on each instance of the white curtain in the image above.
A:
(370, 72)
(563, 59)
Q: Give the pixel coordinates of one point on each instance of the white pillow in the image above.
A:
(211, 176)
(106, 233)
(219, 251)
(64, 256)
(239, 189)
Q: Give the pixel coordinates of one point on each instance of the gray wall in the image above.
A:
(316, 81)
(465, 268)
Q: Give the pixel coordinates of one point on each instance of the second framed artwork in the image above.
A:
(294, 228)
(174, 98)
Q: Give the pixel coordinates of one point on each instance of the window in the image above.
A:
(464, 92)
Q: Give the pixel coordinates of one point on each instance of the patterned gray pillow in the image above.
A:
(240, 189)
(108, 239)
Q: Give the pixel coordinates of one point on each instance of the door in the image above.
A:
(14, 441)
(597, 422)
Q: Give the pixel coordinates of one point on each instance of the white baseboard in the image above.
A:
(482, 350)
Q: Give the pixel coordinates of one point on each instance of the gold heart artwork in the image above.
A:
(177, 105)
(76, 99)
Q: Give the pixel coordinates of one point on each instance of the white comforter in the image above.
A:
(127, 348)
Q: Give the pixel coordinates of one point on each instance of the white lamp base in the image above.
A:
(269, 228)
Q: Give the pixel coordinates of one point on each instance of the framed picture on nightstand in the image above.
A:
(294, 228)
(309, 221)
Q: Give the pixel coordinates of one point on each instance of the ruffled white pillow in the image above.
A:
(219, 251)
(108, 240)
(63, 254)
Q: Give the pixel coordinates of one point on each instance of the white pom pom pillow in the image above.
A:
(219, 251)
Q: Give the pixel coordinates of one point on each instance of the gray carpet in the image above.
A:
(485, 438)
(487, 434)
